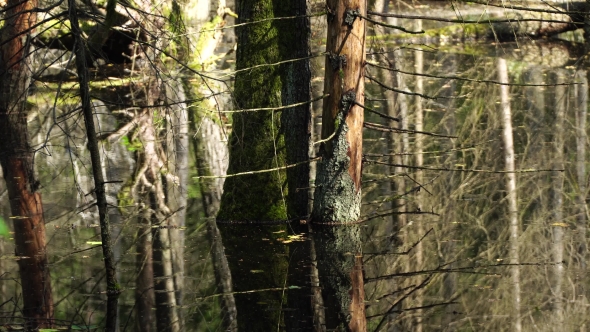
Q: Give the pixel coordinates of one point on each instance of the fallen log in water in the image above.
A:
(535, 21)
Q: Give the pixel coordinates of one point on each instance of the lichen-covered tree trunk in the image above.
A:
(337, 198)
(210, 138)
(338, 182)
(16, 159)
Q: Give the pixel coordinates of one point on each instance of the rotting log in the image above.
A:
(17, 160)
(538, 21)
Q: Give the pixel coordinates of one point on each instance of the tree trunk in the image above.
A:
(16, 159)
(419, 162)
(145, 319)
(581, 92)
(507, 138)
(338, 184)
(177, 193)
(557, 185)
(211, 157)
(210, 148)
(581, 109)
(296, 125)
(256, 142)
(265, 140)
(113, 288)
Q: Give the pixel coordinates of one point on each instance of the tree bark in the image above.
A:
(296, 125)
(211, 152)
(581, 92)
(419, 162)
(338, 184)
(507, 138)
(556, 192)
(113, 288)
(17, 160)
(145, 319)
(263, 140)
(256, 142)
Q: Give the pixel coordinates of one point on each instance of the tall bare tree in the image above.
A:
(514, 227)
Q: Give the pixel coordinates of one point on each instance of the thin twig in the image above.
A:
(374, 64)
(383, 115)
(390, 25)
(257, 172)
(278, 108)
(379, 127)
(462, 170)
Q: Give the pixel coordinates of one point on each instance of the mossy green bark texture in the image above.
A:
(296, 89)
(256, 142)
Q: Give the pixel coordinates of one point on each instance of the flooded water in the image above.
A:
(474, 204)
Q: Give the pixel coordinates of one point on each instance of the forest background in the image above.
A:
(270, 165)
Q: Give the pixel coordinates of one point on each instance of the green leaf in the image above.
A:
(4, 231)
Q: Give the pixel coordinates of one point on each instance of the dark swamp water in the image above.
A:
(475, 215)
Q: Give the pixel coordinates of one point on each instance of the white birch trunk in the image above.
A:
(507, 138)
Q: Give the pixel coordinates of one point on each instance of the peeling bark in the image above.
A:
(338, 183)
(337, 198)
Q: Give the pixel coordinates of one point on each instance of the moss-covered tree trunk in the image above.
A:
(17, 160)
(265, 140)
(296, 126)
(337, 199)
(256, 142)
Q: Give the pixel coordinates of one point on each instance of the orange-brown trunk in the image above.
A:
(16, 159)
